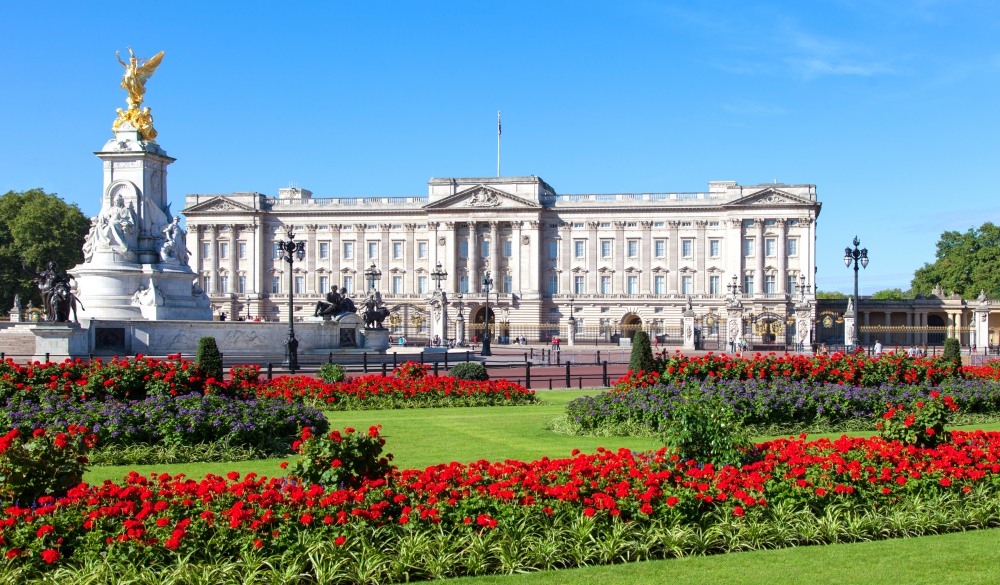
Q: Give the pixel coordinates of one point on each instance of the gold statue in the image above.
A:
(137, 73)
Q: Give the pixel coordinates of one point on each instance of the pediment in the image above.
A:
(219, 205)
(771, 196)
(483, 198)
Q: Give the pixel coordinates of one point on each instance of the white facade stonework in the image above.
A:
(620, 260)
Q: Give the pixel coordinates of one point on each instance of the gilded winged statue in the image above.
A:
(137, 73)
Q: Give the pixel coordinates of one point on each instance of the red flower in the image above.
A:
(738, 511)
(340, 541)
(50, 555)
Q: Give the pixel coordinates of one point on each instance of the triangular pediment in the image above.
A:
(219, 205)
(771, 196)
(483, 198)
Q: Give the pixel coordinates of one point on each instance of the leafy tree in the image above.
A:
(891, 294)
(208, 358)
(966, 263)
(36, 228)
(830, 295)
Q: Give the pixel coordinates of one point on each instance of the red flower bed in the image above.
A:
(378, 391)
(163, 515)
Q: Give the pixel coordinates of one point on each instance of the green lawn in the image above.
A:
(422, 437)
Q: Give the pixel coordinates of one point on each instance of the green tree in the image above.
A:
(966, 263)
(641, 358)
(36, 228)
(830, 295)
(208, 358)
(891, 294)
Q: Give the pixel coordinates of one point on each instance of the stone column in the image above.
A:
(213, 247)
(687, 330)
(409, 262)
(593, 254)
(494, 247)
(234, 274)
(981, 323)
(758, 275)
(384, 256)
(619, 246)
(335, 259)
(516, 248)
(566, 259)
(473, 259)
(450, 261)
(259, 257)
(701, 278)
(673, 259)
(194, 250)
(533, 285)
(645, 258)
(782, 251)
(312, 253)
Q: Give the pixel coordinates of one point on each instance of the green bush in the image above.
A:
(470, 371)
(921, 423)
(642, 354)
(706, 430)
(332, 373)
(44, 463)
(953, 351)
(208, 358)
(340, 459)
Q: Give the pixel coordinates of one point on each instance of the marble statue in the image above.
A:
(174, 249)
(116, 227)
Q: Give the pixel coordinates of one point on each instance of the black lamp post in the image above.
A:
(292, 251)
(572, 320)
(439, 274)
(373, 274)
(487, 287)
(734, 287)
(855, 256)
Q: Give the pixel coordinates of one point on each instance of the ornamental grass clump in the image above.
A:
(42, 463)
(339, 460)
(921, 423)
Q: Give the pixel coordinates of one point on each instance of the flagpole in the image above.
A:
(499, 132)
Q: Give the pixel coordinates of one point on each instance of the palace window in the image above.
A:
(713, 248)
(275, 284)
(241, 283)
(660, 284)
(324, 250)
(632, 285)
(605, 285)
(223, 283)
(792, 246)
(578, 248)
(349, 283)
(484, 249)
(687, 248)
(748, 246)
(553, 284)
(687, 284)
(770, 247)
(300, 285)
(223, 250)
(397, 284)
(748, 284)
(770, 284)
(372, 250)
(463, 249)
(553, 249)
(397, 250)
(348, 250)
(508, 249)
(422, 285)
(463, 283)
(633, 248)
(206, 249)
(578, 285)
(206, 284)
(242, 250)
(324, 284)
(714, 284)
(605, 248)
(660, 248)
(507, 283)
(422, 249)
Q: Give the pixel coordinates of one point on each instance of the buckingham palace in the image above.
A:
(612, 262)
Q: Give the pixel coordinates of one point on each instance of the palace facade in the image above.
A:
(613, 261)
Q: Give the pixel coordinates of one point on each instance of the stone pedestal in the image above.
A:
(375, 339)
(128, 271)
(734, 328)
(849, 330)
(58, 340)
(981, 327)
(439, 316)
(571, 332)
(687, 330)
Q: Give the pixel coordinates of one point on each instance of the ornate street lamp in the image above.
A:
(734, 287)
(572, 319)
(487, 287)
(855, 256)
(439, 274)
(373, 274)
(292, 251)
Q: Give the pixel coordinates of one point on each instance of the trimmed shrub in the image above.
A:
(470, 371)
(332, 373)
(341, 459)
(706, 430)
(641, 359)
(953, 351)
(208, 358)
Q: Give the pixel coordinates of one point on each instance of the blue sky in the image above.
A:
(889, 107)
